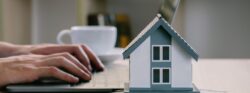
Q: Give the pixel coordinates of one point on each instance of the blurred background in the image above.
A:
(215, 28)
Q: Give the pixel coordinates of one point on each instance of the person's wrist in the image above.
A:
(8, 49)
(21, 49)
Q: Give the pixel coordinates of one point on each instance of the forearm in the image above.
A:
(8, 49)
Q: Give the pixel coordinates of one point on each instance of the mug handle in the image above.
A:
(61, 34)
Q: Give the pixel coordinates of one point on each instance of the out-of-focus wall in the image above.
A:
(15, 19)
(1, 21)
(50, 17)
(218, 28)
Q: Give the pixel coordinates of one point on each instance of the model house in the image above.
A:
(160, 60)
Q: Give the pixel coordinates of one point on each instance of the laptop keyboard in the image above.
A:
(112, 77)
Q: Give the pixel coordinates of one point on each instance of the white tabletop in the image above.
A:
(222, 75)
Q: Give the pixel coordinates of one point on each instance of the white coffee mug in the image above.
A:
(101, 39)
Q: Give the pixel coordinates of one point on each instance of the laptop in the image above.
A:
(114, 78)
(168, 9)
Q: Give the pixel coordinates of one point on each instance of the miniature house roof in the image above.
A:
(153, 26)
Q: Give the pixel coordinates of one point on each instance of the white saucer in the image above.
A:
(111, 56)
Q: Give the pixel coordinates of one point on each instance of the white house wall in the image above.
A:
(181, 67)
(140, 66)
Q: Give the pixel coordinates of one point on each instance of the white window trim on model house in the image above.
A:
(161, 75)
(161, 53)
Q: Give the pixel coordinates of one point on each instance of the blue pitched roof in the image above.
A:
(153, 26)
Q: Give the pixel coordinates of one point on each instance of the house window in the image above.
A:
(165, 54)
(165, 75)
(161, 53)
(161, 76)
(156, 75)
(156, 53)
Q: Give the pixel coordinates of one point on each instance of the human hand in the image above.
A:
(81, 52)
(28, 68)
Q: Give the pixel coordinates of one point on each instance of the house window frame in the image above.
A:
(161, 75)
(161, 53)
